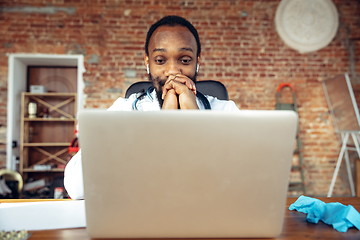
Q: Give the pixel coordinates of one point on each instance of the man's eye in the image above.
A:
(186, 61)
(159, 61)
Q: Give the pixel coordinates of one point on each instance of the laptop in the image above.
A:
(186, 174)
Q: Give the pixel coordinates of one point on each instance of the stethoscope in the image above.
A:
(140, 95)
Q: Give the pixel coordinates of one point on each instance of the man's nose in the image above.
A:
(172, 69)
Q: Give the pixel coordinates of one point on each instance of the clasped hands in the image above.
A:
(179, 92)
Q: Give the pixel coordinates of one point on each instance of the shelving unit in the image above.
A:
(44, 139)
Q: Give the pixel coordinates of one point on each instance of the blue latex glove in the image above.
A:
(341, 217)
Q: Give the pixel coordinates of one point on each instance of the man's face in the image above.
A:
(172, 50)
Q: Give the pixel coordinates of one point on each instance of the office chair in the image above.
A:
(207, 87)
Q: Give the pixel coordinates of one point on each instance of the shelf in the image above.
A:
(49, 119)
(55, 94)
(51, 170)
(45, 141)
(46, 144)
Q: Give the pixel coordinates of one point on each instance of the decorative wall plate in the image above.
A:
(306, 25)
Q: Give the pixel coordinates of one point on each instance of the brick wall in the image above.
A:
(241, 48)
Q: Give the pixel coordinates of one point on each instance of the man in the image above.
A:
(172, 59)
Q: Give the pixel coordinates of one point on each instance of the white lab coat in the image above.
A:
(73, 177)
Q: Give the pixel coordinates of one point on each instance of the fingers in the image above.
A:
(179, 92)
(177, 82)
(185, 80)
(170, 100)
(168, 86)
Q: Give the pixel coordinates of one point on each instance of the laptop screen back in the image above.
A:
(180, 174)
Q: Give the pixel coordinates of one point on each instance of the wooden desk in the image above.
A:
(295, 227)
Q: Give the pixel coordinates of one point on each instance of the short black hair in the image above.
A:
(173, 21)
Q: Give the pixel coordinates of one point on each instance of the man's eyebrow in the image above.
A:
(159, 50)
(180, 49)
(186, 49)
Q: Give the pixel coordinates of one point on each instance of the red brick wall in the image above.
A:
(241, 48)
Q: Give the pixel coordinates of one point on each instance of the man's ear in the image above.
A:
(198, 63)
(146, 61)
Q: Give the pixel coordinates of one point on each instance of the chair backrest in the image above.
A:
(207, 87)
